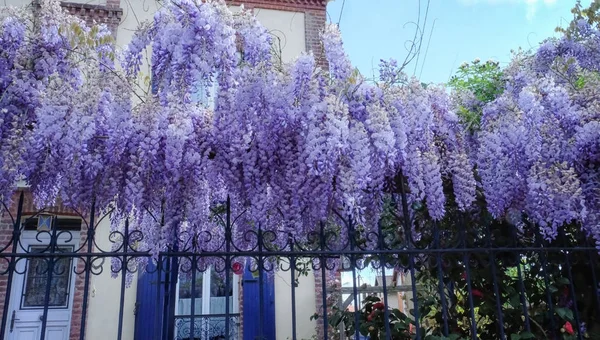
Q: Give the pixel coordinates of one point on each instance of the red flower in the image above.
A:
(237, 267)
(379, 305)
(477, 293)
(569, 328)
(463, 275)
(371, 316)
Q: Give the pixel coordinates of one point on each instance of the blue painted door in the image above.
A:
(253, 325)
(149, 305)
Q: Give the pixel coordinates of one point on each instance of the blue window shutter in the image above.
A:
(148, 311)
(251, 302)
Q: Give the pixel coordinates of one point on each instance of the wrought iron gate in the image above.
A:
(462, 279)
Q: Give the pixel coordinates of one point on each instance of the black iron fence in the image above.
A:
(466, 277)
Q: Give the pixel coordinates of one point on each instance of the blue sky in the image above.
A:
(464, 30)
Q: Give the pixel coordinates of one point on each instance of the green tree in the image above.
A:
(476, 84)
(591, 14)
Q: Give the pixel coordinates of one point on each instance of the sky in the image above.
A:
(463, 30)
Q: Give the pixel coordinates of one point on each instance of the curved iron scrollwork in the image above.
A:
(207, 327)
(456, 253)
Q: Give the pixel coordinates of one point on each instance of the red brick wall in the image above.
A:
(314, 22)
(320, 329)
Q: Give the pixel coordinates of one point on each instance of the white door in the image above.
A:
(29, 290)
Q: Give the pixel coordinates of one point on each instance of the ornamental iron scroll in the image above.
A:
(464, 277)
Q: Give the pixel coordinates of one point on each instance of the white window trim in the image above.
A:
(206, 284)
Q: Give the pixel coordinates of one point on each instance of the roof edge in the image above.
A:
(291, 5)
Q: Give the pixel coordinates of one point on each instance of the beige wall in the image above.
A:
(103, 310)
(305, 306)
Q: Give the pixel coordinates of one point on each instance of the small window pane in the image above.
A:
(36, 280)
(219, 293)
(184, 305)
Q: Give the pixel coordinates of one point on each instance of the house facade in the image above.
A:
(110, 313)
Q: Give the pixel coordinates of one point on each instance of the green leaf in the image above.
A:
(515, 336)
(563, 281)
(364, 329)
(399, 326)
(527, 335)
(565, 313)
(335, 320)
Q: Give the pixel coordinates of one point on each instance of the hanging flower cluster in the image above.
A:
(60, 106)
(292, 145)
(539, 140)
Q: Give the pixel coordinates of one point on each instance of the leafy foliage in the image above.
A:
(476, 84)
(590, 14)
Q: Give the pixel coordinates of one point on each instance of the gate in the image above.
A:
(405, 278)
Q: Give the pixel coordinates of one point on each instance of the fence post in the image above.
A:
(88, 269)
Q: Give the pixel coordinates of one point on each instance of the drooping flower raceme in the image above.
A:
(289, 146)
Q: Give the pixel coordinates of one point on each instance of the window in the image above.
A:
(36, 280)
(210, 297)
(210, 294)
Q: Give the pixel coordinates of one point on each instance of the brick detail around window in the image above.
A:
(283, 5)
(314, 19)
(6, 236)
(314, 22)
(109, 14)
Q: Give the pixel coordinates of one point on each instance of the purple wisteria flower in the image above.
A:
(290, 145)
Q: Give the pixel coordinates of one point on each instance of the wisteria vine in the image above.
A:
(290, 144)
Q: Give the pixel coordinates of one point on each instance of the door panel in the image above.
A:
(31, 332)
(58, 332)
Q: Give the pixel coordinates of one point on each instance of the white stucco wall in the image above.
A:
(27, 2)
(14, 2)
(305, 306)
(103, 310)
(134, 13)
(287, 29)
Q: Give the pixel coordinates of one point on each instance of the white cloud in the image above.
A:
(531, 5)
